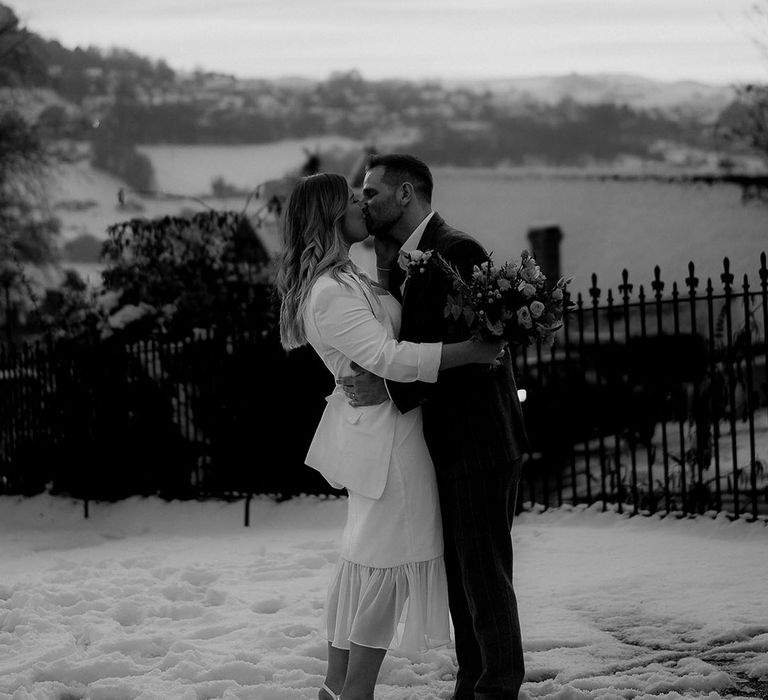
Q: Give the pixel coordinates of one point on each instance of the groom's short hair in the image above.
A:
(402, 167)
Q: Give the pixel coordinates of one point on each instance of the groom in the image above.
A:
(473, 427)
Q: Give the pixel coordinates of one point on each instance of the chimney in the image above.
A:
(545, 247)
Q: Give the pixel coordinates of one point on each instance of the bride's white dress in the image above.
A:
(389, 586)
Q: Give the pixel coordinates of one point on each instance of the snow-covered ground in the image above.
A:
(149, 600)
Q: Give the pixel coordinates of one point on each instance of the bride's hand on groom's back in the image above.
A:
(363, 388)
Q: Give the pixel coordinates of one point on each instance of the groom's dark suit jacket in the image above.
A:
(472, 416)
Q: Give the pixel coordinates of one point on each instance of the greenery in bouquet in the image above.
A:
(511, 302)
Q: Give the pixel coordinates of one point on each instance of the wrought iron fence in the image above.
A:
(221, 413)
(655, 399)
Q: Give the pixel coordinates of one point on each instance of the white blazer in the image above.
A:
(352, 446)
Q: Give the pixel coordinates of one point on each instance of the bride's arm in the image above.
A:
(344, 321)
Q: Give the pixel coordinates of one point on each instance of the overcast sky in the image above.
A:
(706, 40)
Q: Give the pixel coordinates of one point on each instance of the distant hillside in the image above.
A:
(688, 98)
(118, 97)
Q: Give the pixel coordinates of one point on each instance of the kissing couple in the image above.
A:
(424, 430)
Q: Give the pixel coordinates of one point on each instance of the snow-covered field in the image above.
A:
(149, 600)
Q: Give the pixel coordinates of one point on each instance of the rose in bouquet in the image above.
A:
(511, 302)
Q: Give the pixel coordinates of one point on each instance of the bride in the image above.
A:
(389, 585)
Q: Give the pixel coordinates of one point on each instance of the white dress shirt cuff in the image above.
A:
(430, 355)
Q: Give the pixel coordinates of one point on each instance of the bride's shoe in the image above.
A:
(332, 695)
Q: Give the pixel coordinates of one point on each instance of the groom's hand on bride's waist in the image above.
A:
(363, 388)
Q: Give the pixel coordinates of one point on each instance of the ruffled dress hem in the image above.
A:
(403, 607)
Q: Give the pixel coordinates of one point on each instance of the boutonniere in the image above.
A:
(415, 262)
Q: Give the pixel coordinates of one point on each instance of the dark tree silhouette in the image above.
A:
(745, 121)
(26, 231)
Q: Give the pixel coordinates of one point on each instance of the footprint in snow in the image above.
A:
(268, 606)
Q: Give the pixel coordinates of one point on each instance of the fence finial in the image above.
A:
(657, 284)
(692, 281)
(763, 270)
(625, 287)
(727, 277)
(594, 290)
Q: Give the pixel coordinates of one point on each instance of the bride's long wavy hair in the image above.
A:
(312, 245)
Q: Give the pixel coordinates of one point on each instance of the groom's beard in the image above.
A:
(380, 229)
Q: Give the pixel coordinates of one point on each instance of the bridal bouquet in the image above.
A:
(510, 302)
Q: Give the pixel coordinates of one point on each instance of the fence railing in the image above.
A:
(215, 414)
(655, 399)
